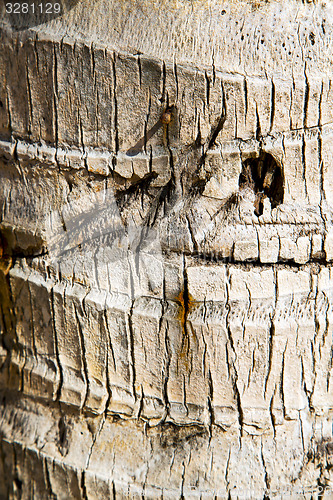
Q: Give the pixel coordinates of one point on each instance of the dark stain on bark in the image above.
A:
(172, 435)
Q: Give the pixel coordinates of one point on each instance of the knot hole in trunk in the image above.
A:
(264, 176)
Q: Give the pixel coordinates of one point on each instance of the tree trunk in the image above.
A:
(166, 301)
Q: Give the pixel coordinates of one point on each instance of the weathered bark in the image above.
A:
(166, 250)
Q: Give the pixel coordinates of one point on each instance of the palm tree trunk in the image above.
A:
(166, 246)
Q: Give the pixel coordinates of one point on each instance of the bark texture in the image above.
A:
(166, 282)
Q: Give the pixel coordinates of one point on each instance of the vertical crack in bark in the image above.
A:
(191, 233)
(109, 339)
(220, 123)
(207, 80)
(131, 334)
(301, 435)
(304, 168)
(163, 92)
(172, 462)
(83, 486)
(266, 475)
(176, 79)
(204, 354)
(185, 394)
(272, 113)
(9, 336)
(138, 60)
(182, 497)
(258, 129)
(314, 350)
(245, 90)
(306, 98)
(95, 436)
(3, 332)
(330, 365)
(16, 477)
(210, 399)
(320, 102)
(114, 492)
(271, 413)
(198, 138)
(83, 356)
(231, 360)
(107, 373)
(146, 134)
(320, 160)
(184, 300)
(166, 371)
(81, 141)
(56, 346)
(30, 105)
(104, 334)
(9, 114)
(271, 334)
(55, 99)
(226, 474)
(140, 403)
(282, 381)
(213, 66)
(115, 102)
(96, 91)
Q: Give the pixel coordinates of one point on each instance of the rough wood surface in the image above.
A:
(166, 283)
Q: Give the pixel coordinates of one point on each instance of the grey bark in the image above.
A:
(166, 250)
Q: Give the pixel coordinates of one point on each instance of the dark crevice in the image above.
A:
(176, 80)
(258, 126)
(210, 401)
(185, 299)
(306, 100)
(145, 132)
(56, 344)
(207, 88)
(264, 176)
(246, 100)
(83, 486)
(131, 336)
(221, 121)
(304, 166)
(162, 99)
(166, 371)
(115, 104)
(140, 71)
(272, 105)
(270, 354)
(139, 185)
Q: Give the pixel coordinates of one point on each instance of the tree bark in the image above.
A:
(166, 250)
